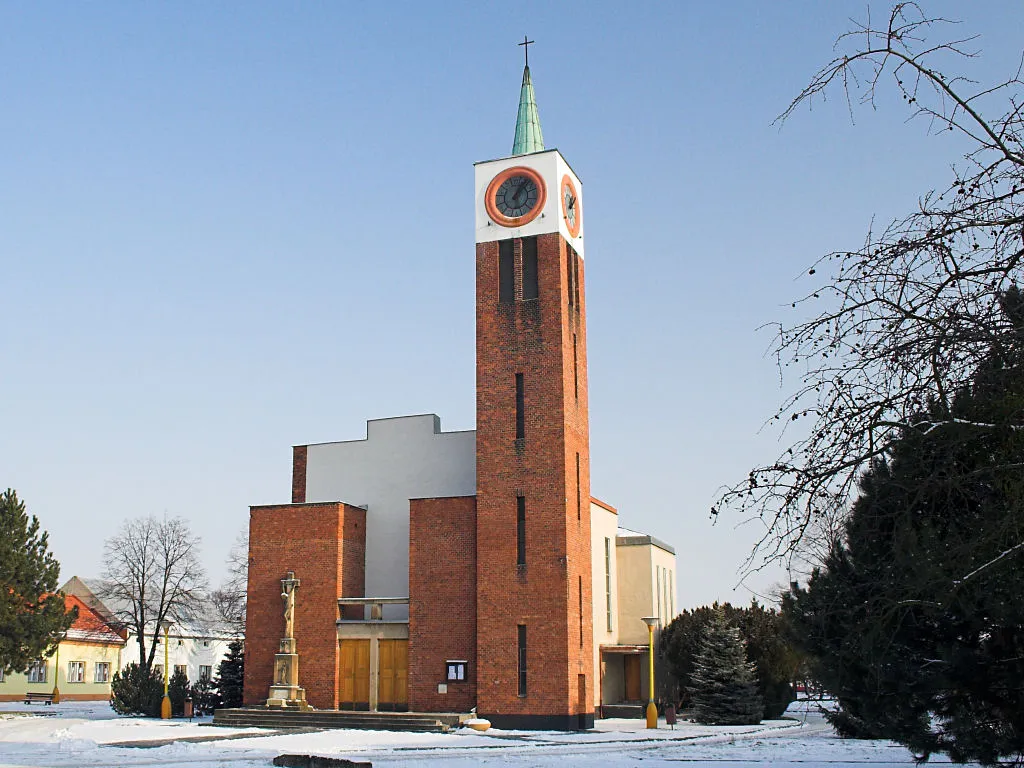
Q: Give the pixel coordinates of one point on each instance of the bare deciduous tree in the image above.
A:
(152, 573)
(229, 600)
(905, 319)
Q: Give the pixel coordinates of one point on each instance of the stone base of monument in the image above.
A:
(285, 693)
(288, 697)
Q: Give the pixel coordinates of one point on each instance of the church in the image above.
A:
(438, 571)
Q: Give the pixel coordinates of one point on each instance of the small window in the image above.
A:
(1, 674)
(581, 611)
(522, 660)
(456, 671)
(531, 288)
(205, 672)
(101, 672)
(608, 582)
(520, 408)
(76, 671)
(183, 668)
(506, 272)
(159, 669)
(576, 278)
(575, 369)
(579, 491)
(568, 272)
(520, 530)
(37, 672)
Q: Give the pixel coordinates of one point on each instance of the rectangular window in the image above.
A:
(520, 530)
(581, 611)
(568, 272)
(531, 288)
(575, 369)
(159, 669)
(576, 278)
(657, 587)
(37, 672)
(76, 671)
(205, 672)
(671, 597)
(101, 672)
(522, 660)
(506, 272)
(579, 492)
(1, 674)
(608, 582)
(520, 408)
(183, 668)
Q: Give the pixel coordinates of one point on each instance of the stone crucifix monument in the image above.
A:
(285, 692)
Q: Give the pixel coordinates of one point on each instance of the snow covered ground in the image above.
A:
(91, 735)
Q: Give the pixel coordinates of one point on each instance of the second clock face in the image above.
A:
(572, 211)
(515, 197)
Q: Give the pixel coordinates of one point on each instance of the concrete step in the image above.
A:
(379, 721)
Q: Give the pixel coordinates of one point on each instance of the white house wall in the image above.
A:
(402, 458)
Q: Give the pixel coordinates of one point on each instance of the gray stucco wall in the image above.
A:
(402, 458)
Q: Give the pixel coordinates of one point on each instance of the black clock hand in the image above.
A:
(519, 190)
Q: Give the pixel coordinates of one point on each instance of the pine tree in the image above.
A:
(231, 675)
(915, 623)
(724, 684)
(32, 613)
(178, 689)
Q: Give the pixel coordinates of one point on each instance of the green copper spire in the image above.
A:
(528, 134)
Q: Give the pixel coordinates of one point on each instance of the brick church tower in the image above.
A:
(534, 640)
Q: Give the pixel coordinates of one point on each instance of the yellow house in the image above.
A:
(82, 666)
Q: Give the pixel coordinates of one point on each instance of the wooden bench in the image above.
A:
(46, 698)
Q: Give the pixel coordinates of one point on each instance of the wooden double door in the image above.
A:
(392, 692)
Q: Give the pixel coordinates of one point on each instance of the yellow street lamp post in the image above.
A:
(56, 675)
(165, 705)
(652, 708)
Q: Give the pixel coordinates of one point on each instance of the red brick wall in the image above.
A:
(299, 473)
(442, 601)
(324, 545)
(534, 338)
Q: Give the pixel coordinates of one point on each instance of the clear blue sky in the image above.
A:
(229, 228)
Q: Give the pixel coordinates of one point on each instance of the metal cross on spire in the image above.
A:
(526, 48)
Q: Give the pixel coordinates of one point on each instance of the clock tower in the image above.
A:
(535, 654)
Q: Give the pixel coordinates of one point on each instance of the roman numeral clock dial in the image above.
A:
(515, 197)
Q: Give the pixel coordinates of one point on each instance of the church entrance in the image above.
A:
(393, 672)
(355, 675)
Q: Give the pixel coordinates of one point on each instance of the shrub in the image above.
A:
(204, 697)
(136, 690)
(178, 690)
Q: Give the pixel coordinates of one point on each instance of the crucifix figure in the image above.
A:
(288, 586)
(526, 47)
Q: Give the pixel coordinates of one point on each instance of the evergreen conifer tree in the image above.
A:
(723, 685)
(32, 613)
(915, 622)
(231, 675)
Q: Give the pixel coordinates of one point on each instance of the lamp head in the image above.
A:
(165, 625)
(650, 621)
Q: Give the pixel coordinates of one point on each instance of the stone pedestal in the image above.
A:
(285, 692)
